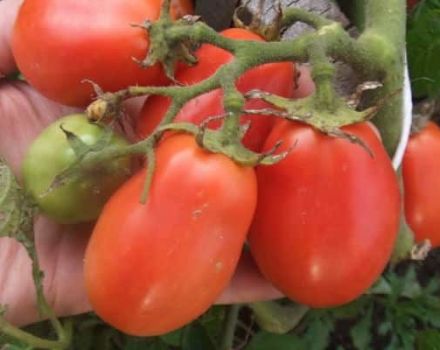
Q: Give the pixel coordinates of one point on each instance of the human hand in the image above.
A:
(23, 115)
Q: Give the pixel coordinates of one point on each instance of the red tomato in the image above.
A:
(180, 8)
(58, 44)
(412, 3)
(327, 215)
(153, 268)
(276, 78)
(421, 164)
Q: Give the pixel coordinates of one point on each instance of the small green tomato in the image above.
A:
(83, 198)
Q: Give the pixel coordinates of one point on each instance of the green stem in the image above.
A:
(323, 73)
(13, 332)
(295, 14)
(29, 339)
(384, 38)
(202, 33)
(165, 10)
(231, 320)
(42, 303)
(233, 101)
(151, 166)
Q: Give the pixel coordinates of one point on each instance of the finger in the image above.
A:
(8, 13)
(23, 115)
(248, 284)
(305, 85)
(61, 250)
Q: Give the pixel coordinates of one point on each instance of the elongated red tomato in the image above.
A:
(59, 44)
(153, 268)
(420, 167)
(180, 8)
(327, 215)
(277, 78)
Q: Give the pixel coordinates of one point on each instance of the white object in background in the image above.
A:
(407, 119)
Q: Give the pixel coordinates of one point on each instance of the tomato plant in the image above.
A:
(82, 198)
(327, 215)
(151, 268)
(420, 167)
(57, 45)
(276, 78)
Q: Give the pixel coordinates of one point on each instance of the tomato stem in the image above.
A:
(29, 339)
(227, 342)
(233, 102)
(295, 14)
(19, 213)
(151, 166)
(384, 39)
(323, 73)
(376, 55)
(165, 10)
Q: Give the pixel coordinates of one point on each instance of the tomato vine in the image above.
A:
(377, 54)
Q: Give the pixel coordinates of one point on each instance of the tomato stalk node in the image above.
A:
(106, 107)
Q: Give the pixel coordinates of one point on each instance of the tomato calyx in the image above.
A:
(217, 141)
(81, 150)
(309, 111)
(213, 141)
(165, 48)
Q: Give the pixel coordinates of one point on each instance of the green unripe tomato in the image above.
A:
(81, 199)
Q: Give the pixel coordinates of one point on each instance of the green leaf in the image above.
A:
(265, 341)
(173, 338)
(361, 333)
(196, 338)
(134, 343)
(385, 327)
(353, 309)
(380, 287)
(428, 340)
(317, 335)
(423, 45)
(212, 321)
(432, 313)
(16, 347)
(16, 210)
(275, 318)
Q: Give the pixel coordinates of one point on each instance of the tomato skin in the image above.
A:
(277, 78)
(59, 44)
(327, 215)
(420, 167)
(153, 268)
(411, 4)
(79, 200)
(180, 8)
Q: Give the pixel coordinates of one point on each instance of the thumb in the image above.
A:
(8, 13)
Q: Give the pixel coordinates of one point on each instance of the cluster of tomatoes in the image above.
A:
(321, 224)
